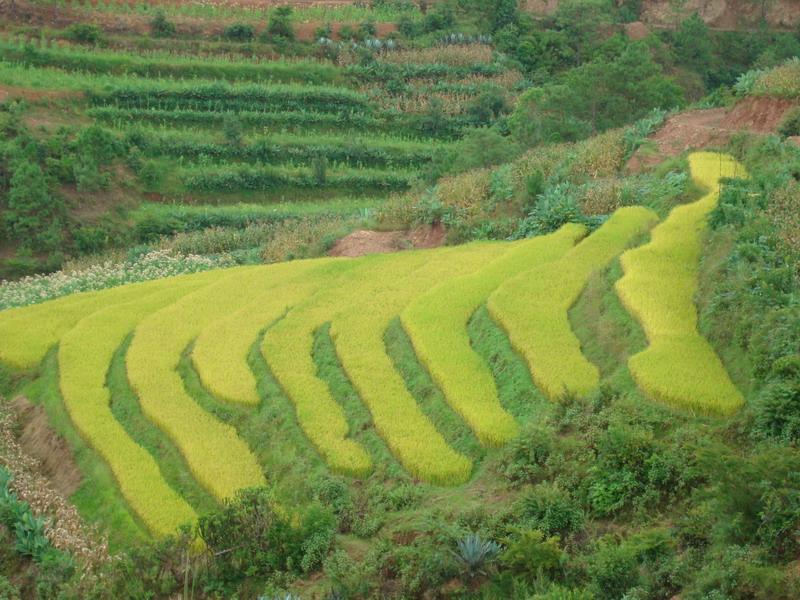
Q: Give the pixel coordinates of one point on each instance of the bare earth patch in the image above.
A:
(364, 241)
(40, 441)
(697, 129)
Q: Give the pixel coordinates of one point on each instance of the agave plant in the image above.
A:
(476, 554)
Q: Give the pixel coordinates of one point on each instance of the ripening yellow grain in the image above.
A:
(660, 280)
(84, 354)
(533, 307)
(357, 331)
(436, 322)
(220, 352)
(27, 333)
(360, 304)
(219, 459)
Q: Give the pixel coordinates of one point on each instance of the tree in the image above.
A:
(33, 214)
(160, 26)
(596, 96)
(280, 23)
(693, 46)
(506, 13)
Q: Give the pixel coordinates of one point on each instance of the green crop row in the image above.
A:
(114, 63)
(660, 281)
(219, 459)
(393, 123)
(257, 118)
(152, 220)
(436, 322)
(84, 354)
(383, 71)
(326, 13)
(286, 148)
(533, 306)
(227, 97)
(235, 178)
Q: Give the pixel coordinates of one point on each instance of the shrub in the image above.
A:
(33, 214)
(280, 24)
(777, 409)
(791, 123)
(613, 570)
(525, 458)
(531, 555)
(550, 510)
(232, 129)
(251, 536)
(85, 33)
(239, 32)
(160, 27)
(555, 207)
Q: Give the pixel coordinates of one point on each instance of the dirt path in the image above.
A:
(697, 129)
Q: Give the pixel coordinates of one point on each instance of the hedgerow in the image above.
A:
(679, 366)
(210, 447)
(84, 354)
(782, 81)
(437, 325)
(533, 306)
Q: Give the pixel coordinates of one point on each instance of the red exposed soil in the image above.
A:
(62, 16)
(10, 92)
(712, 127)
(364, 241)
(39, 440)
(637, 30)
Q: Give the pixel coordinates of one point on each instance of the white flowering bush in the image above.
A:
(153, 265)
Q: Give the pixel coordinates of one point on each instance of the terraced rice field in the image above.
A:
(218, 318)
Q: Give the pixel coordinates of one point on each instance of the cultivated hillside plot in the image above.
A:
(219, 319)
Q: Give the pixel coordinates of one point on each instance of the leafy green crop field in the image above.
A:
(192, 338)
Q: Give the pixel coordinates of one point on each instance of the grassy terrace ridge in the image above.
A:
(169, 65)
(161, 65)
